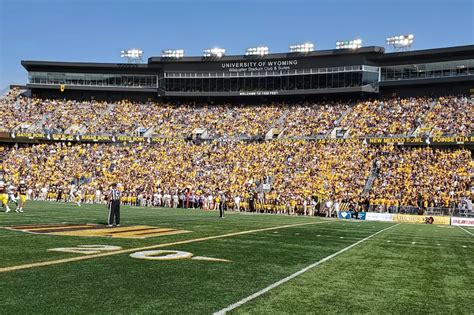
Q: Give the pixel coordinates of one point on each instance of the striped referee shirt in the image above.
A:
(114, 194)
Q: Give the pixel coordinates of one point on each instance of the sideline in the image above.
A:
(296, 274)
(129, 250)
(465, 230)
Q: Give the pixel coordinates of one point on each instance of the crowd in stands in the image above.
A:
(422, 177)
(452, 116)
(312, 119)
(299, 172)
(393, 117)
(386, 118)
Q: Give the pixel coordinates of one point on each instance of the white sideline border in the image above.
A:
(296, 274)
(465, 230)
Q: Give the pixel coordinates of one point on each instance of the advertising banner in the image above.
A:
(413, 218)
(384, 217)
(462, 221)
(349, 215)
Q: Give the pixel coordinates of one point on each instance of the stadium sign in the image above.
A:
(383, 217)
(95, 138)
(258, 93)
(396, 140)
(350, 215)
(405, 141)
(262, 65)
(413, 218)
(462, 221)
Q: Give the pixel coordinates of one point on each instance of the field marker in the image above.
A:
(465, 230)
(136, 249)
(296, 274)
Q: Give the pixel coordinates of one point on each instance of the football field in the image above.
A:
(58, 258)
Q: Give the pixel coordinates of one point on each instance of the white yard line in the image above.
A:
(130, 250)
(296, 274)
(465, 230)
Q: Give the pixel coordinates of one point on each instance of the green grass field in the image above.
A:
(392, 269)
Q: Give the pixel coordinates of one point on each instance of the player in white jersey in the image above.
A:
(11, 194)
(74, 195)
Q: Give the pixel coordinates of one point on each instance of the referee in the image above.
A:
(114, 206)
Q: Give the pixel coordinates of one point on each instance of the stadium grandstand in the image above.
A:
(327, 178)
(294, 133)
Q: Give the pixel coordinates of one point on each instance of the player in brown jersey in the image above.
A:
(22, 194)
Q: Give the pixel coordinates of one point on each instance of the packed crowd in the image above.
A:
(298, 172)
(422, 177)
(452, 116)
(445, 115)
(386, 118)
(312, 119)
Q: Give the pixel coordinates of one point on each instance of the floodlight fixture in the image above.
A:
(257, 51)
(302, 48)
(215, 52)
(401, 42)
(133, 55)
(349, 44)
(172, 53)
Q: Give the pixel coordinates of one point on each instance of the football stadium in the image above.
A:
(305, 181)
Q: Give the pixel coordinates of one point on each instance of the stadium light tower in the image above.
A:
(349, 44)
(257, 51)
(302, 48)
(133, 55)
(401, 42)
(173, 53)
(214, 52)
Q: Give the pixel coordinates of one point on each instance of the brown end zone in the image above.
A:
(136, 231)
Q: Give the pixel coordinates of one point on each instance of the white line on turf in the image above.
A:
(296, 274)
(465, 230)
(129, 250)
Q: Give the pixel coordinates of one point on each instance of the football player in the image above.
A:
(11, 194)
(4, 196)
(22, 195)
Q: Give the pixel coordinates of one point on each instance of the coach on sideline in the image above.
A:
(113, 202)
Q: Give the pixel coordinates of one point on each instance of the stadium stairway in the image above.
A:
(38, 125)
(149, 132)
(338, 121)
(370, 179)
(424, 129)
(107, 111)
(76, 129)
(277, 125)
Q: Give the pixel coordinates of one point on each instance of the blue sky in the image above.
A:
(73, 30)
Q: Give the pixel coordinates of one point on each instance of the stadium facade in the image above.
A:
(368, 71)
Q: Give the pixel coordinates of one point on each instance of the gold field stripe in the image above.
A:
(130, 250)
(142, 236)
(137, 233)
(56, 227)
(100, 232)
(24, 227)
